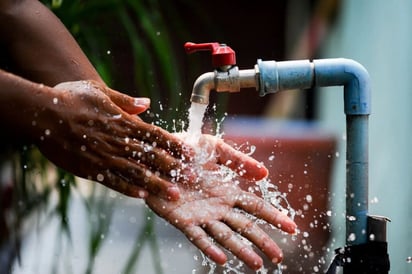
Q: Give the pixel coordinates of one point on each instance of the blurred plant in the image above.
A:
(106, 30)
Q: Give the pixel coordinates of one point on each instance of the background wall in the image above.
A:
(378, 35)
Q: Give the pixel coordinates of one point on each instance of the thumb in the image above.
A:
(131, 105)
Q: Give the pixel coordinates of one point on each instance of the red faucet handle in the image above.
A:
(222, 55)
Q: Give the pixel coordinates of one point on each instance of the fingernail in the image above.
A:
(291, 227)
(278, 259)
(141, 101)
(173, 193)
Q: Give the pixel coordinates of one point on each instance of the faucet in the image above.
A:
(225, 78)
(270, 77)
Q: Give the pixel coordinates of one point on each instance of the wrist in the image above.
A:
(24, 107)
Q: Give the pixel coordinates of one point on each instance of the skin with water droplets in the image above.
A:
(215, 207)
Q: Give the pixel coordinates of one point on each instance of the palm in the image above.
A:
(218, 208)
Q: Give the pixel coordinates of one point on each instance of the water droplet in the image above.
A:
(100, 177)
(371, 237)
(351, 218)
(47, 132)
(271, 157)
(83, 148)
(108, 52)
(173, 173)
(305, 207)
(309, 198)
(351, 237)
(374, 200)
(55, 101)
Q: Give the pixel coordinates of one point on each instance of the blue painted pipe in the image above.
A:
(277, 76)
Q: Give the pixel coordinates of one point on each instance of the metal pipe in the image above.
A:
(230, 80)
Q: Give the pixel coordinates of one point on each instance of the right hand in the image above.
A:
(215, 209)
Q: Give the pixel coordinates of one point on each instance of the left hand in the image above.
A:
(216, 208)
(93, 132)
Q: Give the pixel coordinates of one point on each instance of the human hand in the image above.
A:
(214, 209)
(92, 131)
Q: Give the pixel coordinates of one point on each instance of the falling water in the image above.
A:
(196, 113)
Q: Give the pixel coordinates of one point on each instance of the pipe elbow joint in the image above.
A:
(353, 76)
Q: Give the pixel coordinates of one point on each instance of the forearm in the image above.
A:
(23, 104)
(39, 45)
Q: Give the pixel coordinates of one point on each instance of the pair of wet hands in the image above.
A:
(212, 210)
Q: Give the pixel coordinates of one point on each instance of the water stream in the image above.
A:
(194, 130)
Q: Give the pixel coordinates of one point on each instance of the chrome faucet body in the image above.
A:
(231, 80)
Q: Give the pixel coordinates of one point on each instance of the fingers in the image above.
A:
(263, 210)
(200, 239)
(245, 166)
(156, 158)
(161, 138)
(119, 185)
(232, 242)
(136, 174)
(250, 230)
(127, 103)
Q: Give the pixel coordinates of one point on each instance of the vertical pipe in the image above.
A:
(355, 79)
(276, 76)
(356, 178)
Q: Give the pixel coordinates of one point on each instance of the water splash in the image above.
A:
(264, 187)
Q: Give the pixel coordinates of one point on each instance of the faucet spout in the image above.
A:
(202, 87)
